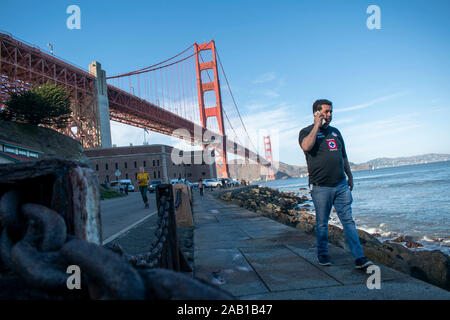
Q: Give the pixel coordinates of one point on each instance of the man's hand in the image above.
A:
(350, 183)
(318, 117)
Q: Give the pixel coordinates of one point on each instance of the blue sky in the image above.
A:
(390, 87)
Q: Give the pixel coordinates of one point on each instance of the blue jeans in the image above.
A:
(340, 197)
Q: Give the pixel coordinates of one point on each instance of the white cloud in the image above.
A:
(342, 121)
(271, 93)
(266, 77)
(371, 103)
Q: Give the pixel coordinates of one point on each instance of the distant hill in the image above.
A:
(403, 161)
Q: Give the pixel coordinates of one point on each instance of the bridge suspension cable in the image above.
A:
(234, 101)
(152, 66)
(224, 111)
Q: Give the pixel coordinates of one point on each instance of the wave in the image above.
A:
(419, 183)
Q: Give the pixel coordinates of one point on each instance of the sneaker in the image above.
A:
(362, 263)
(146, 206)
(324, 260)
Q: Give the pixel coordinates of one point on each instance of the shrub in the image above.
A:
(48, 105)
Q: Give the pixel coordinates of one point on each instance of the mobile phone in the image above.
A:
(323, 120)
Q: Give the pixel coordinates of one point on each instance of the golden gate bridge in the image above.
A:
(181, 92)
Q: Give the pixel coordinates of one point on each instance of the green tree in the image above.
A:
(48, 104)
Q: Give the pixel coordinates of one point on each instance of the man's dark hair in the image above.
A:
(317, 106)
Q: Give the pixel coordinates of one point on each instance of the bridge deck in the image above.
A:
(254, 257)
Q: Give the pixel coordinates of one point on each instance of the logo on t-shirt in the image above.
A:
(332, 144)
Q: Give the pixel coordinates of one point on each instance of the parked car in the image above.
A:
(212, 183)
(124, 182)
(120, 185)
(230, 182)
(152, 186)
(191, 184)
(175, 181)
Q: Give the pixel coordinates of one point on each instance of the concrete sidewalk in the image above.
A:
(254, 257)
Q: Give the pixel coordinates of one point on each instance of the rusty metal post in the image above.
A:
(70, 188)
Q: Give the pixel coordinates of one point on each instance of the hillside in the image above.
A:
(52, 143)
(402, 161)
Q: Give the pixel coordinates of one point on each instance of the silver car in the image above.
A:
(212, 183)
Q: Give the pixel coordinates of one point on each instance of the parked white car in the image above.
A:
(121, 184)
(212, 183)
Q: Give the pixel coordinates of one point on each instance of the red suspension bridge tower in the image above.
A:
(215, 111)
(268, 156)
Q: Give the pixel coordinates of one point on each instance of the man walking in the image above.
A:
(328, 164)
(142, 179)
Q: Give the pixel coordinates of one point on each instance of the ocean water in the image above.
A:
(409, 200)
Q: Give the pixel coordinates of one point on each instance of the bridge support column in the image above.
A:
(101, 95)
(268, 154)
(215, 111)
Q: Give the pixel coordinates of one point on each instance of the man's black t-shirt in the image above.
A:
(326, 158)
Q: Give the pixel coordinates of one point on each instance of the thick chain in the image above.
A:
(177, 202)
(152, 258)
(35, 248)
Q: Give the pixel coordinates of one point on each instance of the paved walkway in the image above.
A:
(254, 257)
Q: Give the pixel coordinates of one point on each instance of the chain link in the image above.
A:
(35, 247)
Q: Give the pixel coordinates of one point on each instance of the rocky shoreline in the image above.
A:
(432, 266)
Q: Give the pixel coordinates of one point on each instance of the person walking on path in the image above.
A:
(328, 164)
(200, 186)
(142, 178)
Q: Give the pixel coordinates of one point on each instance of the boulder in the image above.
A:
(399, 239)
(413, 244)
(306, 227)
(376, 234)
(336, 236)
(431, 266)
